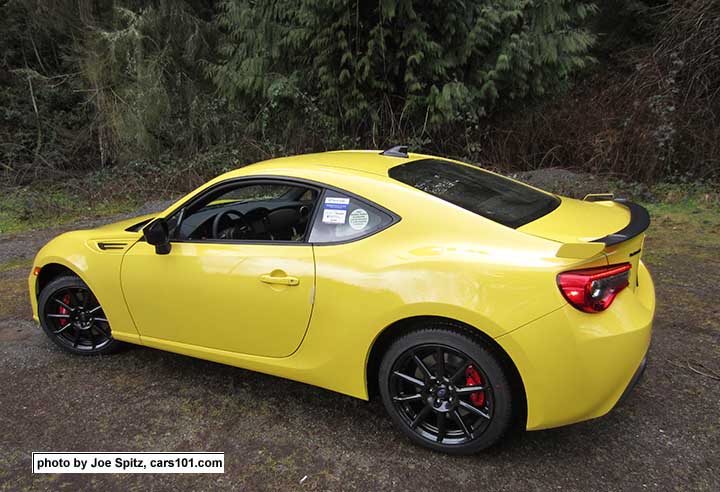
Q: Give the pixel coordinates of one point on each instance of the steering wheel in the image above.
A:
(217, 221)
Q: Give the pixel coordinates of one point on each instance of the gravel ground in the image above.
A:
(274, 432)
(19, 246)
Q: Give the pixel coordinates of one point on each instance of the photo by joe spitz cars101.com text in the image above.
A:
(468, 302)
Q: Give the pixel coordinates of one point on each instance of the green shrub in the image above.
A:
(396, 66)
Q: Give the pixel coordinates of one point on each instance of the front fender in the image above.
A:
(88, 255)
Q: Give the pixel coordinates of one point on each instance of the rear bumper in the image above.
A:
(576, 366)
(633, 382)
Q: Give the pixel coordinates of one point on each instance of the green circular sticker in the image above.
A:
(359, 219)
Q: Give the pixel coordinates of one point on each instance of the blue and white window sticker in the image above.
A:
(335, 210)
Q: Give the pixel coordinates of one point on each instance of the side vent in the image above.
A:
(111, 245)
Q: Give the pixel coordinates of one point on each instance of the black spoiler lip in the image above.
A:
(639, 222)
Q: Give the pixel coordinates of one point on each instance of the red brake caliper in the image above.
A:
(62, 310)
(472, 378)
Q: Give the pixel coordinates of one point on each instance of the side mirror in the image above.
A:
(158, 234)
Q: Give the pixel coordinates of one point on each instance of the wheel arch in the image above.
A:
(403, 326)
(50, 272)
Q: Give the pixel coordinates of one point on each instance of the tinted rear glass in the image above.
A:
(495, 197)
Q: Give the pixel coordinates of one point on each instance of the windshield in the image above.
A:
(492, 196)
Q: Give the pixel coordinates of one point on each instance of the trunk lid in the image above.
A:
(620, 226)
(628, 251)
(577, 221)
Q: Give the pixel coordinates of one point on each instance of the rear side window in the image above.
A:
(343, 218)
(494, 197)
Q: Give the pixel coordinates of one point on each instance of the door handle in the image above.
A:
(269, 279)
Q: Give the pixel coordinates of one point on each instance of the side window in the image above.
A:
(343, 218)
(253, 192)
(247, 211)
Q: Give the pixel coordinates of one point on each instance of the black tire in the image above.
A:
(73, 319)
(431, 419)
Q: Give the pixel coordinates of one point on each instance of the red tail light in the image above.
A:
(593, 290)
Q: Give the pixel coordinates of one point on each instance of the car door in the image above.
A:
(248, 292)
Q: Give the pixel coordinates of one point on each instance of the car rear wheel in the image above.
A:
(445, 390)
(73, 318)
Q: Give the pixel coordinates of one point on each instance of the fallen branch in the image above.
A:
(688, 365)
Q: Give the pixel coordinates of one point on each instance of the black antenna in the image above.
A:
(397, 151)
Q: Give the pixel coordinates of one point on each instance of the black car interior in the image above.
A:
(270, 212)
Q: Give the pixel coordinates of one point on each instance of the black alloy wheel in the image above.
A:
(446, 391)
(72, 317)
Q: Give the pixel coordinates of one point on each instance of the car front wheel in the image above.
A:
(73, 318)
(445, 390)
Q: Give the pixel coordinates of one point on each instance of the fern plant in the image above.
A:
(395, 64)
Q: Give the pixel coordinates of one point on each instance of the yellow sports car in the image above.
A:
(468, 301)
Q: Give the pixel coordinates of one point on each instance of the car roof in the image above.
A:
(367, 161)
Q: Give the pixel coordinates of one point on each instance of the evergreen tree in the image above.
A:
(394, 63)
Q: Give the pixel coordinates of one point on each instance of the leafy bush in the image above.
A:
(396, 66)
(91, 84)
(652, 114)
(126, 94)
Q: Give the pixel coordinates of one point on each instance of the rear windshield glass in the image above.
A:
(495, 197)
